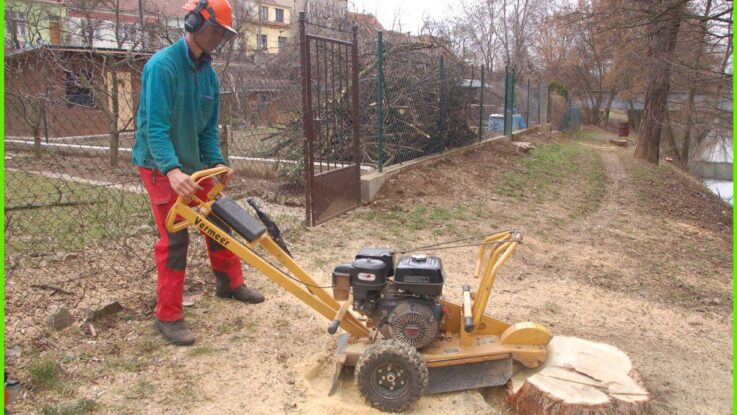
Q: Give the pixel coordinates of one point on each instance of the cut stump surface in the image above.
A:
(579, 377)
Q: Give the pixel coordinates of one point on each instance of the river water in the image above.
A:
(724, 189)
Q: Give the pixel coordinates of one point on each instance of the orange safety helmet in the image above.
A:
(220, 8)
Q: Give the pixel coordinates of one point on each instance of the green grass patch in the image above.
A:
(51, 213)
(591, 136)
(45, 374)
(80, 407)
(400, 219)
(151, 342)
(536, 176)
(202, 351)
(552, 168)
(648, 178)
(141, 390)
(552, 307)
(256, 141)
(595, 186)
(128, 365)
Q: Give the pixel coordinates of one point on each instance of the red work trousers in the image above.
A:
(170, 251)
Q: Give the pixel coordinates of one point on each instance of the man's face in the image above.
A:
(211, 36)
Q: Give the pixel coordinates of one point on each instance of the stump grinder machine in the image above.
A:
(402, 337)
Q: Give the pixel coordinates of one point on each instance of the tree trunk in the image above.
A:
(671, 138)
(661, 42)
(690, 116)
(579, 377)
(115, 116)
(725, 61)
(596, 110)
(633, 117)
(608, 108)
(224, 141)
(114, 144)
(685, 147)
(37, 142)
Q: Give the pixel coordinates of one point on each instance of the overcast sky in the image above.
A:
(408, 12)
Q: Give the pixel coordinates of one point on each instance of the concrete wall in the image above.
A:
(371, 183)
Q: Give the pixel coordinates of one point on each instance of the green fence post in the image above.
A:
(550, 111)
(514, 96)
(441, 117)
(508, 100)
(380, 100)
(481, 105)
(538, 102)
(527, 121)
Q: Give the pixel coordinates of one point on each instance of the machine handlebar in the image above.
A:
(197, 177)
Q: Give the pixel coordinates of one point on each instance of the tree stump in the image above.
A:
(579, 377)
(622, 142)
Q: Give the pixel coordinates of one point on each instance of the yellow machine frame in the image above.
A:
(484, 339)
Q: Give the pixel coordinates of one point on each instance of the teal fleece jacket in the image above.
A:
(178, 113)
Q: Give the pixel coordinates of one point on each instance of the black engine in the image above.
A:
(401, 299)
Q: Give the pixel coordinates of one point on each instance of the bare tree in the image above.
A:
(29, 93)
(699, 76)
(665, 21)
(594, 64)
(109, 73)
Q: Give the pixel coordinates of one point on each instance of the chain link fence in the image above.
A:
(78, 223)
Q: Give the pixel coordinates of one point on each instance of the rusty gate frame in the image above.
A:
(342, 184)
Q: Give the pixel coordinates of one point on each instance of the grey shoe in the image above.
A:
(175, 332)
(246, 295)
(240, 293)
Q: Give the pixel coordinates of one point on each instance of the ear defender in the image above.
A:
(193, 20)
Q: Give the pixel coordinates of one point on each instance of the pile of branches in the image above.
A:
(423, 111)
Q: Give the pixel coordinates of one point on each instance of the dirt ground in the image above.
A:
(615, 251)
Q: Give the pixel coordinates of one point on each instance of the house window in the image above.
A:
(97, 31)
(264, 13)
(263, 42)
(261, 104)
(55, 30)
(18, 20)
(76, 91)
(85, 30)
(126, 33)
(282, 43)
(280, 15)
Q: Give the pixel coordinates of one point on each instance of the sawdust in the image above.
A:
(316, 380)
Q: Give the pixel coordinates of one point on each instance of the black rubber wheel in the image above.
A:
(391, 375)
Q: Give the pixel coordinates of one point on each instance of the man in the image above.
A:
(177, 135)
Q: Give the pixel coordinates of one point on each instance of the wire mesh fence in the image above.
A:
(71, 193)
(421, 99)
(77, 217)
(78, 222)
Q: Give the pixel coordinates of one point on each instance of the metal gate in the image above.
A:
(330, 119)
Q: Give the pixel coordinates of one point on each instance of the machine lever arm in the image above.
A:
(467, 317)
(333, 327)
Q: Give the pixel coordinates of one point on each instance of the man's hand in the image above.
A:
(182, 183)
(225, 176)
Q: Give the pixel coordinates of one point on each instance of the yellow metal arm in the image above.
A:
(171, 224)
(300, 283)
(503, 245)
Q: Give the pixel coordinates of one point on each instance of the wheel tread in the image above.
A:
(374, 355)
